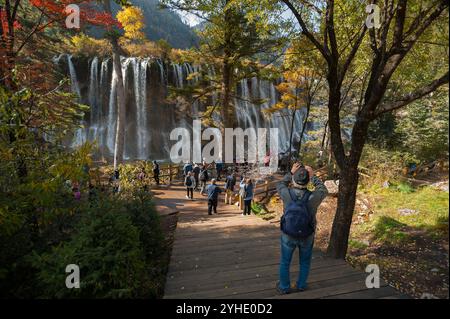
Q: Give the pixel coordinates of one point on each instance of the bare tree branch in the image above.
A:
(412, 96)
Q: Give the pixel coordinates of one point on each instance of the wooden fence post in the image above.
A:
(170, 174)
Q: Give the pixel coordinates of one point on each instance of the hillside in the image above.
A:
(161, 24)
(165, 24)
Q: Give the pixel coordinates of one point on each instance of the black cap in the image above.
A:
(301, 176)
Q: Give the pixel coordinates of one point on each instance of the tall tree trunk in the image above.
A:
(227, 109)
(348, 184)
(120, 124)
(290, 137)
(305, 121)
(324, 137)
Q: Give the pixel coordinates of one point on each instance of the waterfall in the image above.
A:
(93, 98)
(73, 77)
(161, 71)
(80, 134)
(111, 122)
(147, 136)
(102, 89)
(140, 93)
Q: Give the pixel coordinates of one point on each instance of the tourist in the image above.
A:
(300, 205)
(189, 182)
(267, 160)
(229, 188)
(156, 172)
(247, 187)
(219, 168)
(76, 191)
(213, 194)
(187, 168)
(115, 179)
(196, 171)
(203, 178)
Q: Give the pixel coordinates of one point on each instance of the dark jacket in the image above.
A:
(287, 193)
(156, 169)
(247, 190)
(187, 168)
(230, 183)
(204, 175)
(196, 171)
(213, 192)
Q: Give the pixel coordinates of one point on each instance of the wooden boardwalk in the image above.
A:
(232, 256)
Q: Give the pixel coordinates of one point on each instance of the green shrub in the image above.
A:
(405, 188)
(106, 247)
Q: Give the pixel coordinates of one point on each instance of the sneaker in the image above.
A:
(188, 197)
(282, 291)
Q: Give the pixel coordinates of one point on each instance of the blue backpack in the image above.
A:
(297, 221)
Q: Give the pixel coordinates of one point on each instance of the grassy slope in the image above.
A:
(411, 249)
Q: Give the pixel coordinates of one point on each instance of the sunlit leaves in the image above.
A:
(132, 21)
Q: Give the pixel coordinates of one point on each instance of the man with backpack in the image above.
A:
(196, 172)
(187, 168)
(213, 196)
(229, 188)
(298, 222)
(189, 182)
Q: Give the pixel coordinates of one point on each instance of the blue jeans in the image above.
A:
(288, 245)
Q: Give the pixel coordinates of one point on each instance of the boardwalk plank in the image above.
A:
(233, 256)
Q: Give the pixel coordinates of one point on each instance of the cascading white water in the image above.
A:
(145, 134)
(140, 94)
(80, 134)
(161, 71)
(104, 84)
(93, 98)
(111, 122)
(73, 77)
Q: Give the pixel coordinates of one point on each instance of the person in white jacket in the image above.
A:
(189, 182)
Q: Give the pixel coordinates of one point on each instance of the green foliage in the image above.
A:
(108, 244)
(236, 37)
(83, 45)
(389, 229)
(116, 240)
(405, 188)
(420, 130)
(429, 208)
(357, 244)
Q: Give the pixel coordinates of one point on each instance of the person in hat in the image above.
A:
(296, 197)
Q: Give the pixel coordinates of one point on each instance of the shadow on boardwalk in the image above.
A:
(232, 256)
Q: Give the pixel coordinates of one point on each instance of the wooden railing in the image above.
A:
(169, 172)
